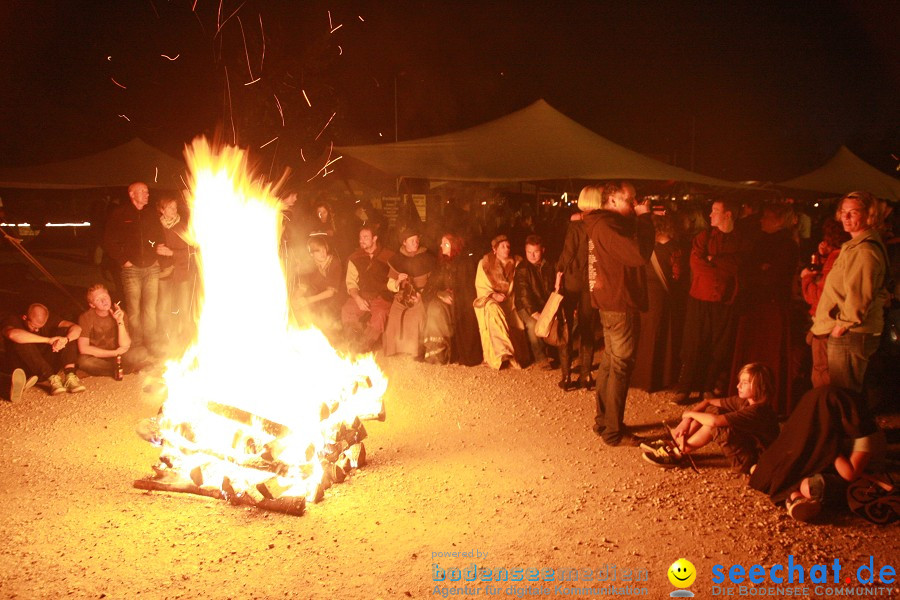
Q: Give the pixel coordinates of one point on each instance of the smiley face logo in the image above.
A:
(682, 573)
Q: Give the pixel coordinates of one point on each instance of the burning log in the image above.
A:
(357, 455)
(231, 433)
(289, 505)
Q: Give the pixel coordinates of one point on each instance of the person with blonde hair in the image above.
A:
(850, 310)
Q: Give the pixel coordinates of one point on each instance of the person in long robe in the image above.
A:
(764, 304)
(659, 340)
(451, 329)
(409, 271)
(502, 337)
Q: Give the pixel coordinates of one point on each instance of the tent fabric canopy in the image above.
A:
(845, 173)
(119, 166)
(533, 144)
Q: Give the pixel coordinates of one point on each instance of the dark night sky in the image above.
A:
(770, 90)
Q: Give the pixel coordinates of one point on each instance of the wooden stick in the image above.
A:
(690, 458)
(289, 505)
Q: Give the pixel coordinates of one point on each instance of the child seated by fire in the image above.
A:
(104, 336)
(742, 425)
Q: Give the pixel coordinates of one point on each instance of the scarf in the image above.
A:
(169, 223)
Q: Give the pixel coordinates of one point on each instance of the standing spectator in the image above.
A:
(134, 239)
(659, 343)
(572, 268)
(366, 311)
(40, 345)
(410, 269)
(498, 323)
(176, 277)
(534, 280)
(763, 328)
(620, 241)
(710, 319)
(104, 336)
(850, 310)
(451, 329)
(812, 282)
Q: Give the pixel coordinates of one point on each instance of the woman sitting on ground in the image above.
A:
(742, 425)
(502, 335)
(451, 330)
(830, 440)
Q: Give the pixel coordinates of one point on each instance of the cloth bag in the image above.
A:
(546, 323)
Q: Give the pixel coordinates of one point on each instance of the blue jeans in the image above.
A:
(614, 372)
(848, 357)
(537, 344)
(141, 288)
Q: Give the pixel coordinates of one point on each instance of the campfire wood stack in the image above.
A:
(343, 450)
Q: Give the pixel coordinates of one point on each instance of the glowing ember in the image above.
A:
(256, 405)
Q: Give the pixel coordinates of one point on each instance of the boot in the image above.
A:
(565, 366)
(587, 362)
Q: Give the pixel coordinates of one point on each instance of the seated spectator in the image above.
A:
(319, 295)
(451, 329)
(104, 336)
(365, 313)
(812, 282)
(742, 425)
(498, 323)
(408, 276)
(39, 346)
(535, 278)
(830, 440)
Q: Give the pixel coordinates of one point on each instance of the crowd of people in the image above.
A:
(672, 302)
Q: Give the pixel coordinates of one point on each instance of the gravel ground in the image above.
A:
(469, 460)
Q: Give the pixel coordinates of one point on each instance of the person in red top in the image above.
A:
(709, 325)
(812, 283)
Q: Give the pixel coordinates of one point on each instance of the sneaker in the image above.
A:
(804, 509)
(653, 445)
(73, 384)
(17, 386)
(663, 457)
(56, 385)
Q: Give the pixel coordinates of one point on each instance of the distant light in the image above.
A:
(85, 224)
(565, 196)
(816, 205)
(15, 224)
(484, 203)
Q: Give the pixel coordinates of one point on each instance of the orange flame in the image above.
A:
(253, 384)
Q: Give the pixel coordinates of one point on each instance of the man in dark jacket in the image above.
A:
(620, 241)
(134, 239)
(534, 280)
(365, 313)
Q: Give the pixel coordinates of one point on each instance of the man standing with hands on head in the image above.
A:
(620, 241)
(134, 240)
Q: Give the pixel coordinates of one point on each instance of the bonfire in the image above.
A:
(257, 411)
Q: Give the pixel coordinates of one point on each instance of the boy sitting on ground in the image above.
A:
(104, 336)
(742, 425)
